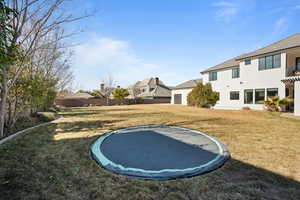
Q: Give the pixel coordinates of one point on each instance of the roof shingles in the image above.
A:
(188, 84)
(158, 91)
(286, 43)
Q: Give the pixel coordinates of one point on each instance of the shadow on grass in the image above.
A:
(80, 114)
(79, 126)
(188, 122)
(83, 111)
(35, 166)
(137, 115)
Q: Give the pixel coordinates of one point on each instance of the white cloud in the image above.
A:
(226, 10)
(225, 3)
(281, 26)
(100, 57)
(280, 22)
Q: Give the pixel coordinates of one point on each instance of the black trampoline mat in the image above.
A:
(149, 150)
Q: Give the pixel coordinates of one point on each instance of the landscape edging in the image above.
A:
(25, 130)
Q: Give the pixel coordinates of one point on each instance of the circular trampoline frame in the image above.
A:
(164, 174)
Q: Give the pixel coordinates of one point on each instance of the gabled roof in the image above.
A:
(158, 91)
(287, 43)
(147, 81)
(188, 84)
(227, 64)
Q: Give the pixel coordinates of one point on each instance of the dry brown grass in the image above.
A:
(53, 162)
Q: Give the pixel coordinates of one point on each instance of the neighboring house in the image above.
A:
(181, 91)
(78, 95)
(74, 99)
(159, 92)
(247, 80)
(107, 91)
(151, 88)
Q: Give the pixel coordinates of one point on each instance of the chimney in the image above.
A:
(102, 86)
(156, 80)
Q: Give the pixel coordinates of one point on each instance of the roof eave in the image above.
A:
(183, 88)
(261, 54)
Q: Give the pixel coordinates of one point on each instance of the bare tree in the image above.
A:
(107, 87)
(49, 68)
(53, 60)
(134, 92)
(29, 23)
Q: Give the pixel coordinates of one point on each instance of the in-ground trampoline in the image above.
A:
(159, 152)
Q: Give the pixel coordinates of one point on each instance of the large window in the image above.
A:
(262, 63)
(272, 92)
(236, 72)
(277, 61)
(234, 95)
(259, 96)
(248, 96)
(269, 62)
(213, 76)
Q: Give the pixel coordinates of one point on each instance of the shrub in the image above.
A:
(46, 116)
(53, 109)
(246, 108)
(203, 96)
(139, 100)
(120, 93)
(275, 104)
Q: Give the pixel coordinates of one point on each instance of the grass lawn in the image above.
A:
(53, 162)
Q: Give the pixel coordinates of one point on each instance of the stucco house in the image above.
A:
(181, 91)
(150, 88)
(247, 80)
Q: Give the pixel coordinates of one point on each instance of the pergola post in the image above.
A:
(297, 98)
(295, 80)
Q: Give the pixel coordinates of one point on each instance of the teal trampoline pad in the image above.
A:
(159, 152)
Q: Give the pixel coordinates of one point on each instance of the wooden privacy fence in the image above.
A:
(107, 102)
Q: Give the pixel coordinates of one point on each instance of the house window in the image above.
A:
(248, 62)
(213, 76)
(277, 61)
(262, 63)
(272, 92)
(234, 95)
(269, 62)
(259, 96)
(236, 72)
(297, 63)
(248, 96)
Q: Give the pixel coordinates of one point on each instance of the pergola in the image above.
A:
(295, 81)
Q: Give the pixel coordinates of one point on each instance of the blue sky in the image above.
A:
(174, 40)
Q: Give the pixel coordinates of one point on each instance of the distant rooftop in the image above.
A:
(158, 91)
(188, 84)
(147, 81)
(78, 95)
